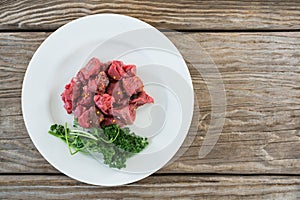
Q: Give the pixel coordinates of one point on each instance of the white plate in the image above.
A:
(58, 59)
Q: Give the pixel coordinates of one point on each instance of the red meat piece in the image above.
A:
(87, 97)
(130, 70)
(141, 99)
(122, 103)
(106, 66)
(92, 68)
(68, 106)
(67, 96)
(111, 120)
(115, 90)
(102, 82)
(92, 85)
(132, 85)
(99, 83)
(104, 103)
(78, 111)
(81, 78)
(89, 118)
(77, 90)
(126, 114)
(116, 70)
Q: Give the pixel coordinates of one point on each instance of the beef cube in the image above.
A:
(102, 82)
(77, 90)
(78, 111)
(92, 86)
(126, 114)
(116, 71)
(130, 70)
(67, 96)
(104, 103)
(99, 83)
(68, 106)
(86, 98)
(89, 118)
(132, 85)
(106, 66)
(123, 102)
(111, 120)
(81, 78)
(115, 90)
(92, 68)
(141, 99)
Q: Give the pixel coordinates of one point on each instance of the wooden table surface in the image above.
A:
(256, 47)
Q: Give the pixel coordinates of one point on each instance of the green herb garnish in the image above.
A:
(116, 144)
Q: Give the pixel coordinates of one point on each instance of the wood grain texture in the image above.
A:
(180, 14)
(157, 187)
(261, 134)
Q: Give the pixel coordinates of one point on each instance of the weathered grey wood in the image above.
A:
(180, 14)
(158, 187)
(261, 133)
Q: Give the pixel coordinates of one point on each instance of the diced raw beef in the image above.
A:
(87, 97)
(99, 83)
(81, 78)
(141, 99)
(92, 86)
(77, 90)
(78, 111)
(123, 102)
(104, 103)
(89, 118)
(116, 70)
(126, 114)
(67, 96)
(105, 94)
(92, 68)
(115, 90)
(106, 66)
(68, 106)
(132, 85)
(130, 70)
(112, 120)
(102, 82)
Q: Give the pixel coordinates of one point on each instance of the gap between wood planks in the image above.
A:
(171, 30)
(163, 174)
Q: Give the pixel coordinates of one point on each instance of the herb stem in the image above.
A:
(83, 134)
(116, 136)
(88, 135)
(67, 140)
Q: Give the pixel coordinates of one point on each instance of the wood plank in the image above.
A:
(261, 134)
(180, 14)
(157, 187)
